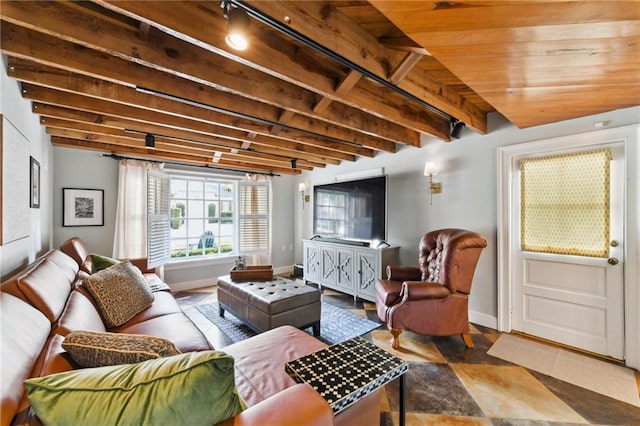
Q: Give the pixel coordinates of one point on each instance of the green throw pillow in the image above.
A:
(120, 293)
(96, 349)
(196, 388)
(99, 262)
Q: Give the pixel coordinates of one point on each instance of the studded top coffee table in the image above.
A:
(346, 372)
(263, 305)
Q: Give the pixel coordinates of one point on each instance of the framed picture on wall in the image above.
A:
(82, 207)
(34, 183)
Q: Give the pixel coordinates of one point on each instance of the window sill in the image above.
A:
(197, 262)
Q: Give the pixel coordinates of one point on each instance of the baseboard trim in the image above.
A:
(484, 320)
(208, 282)
(190, 285)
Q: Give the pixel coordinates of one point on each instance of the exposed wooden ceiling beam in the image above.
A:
(51, 112)
(274, 61)
(404, 67)
(355, 44)
(165, 53)
(149, 153)
(53, 78)
(44, 49)
(86, 131)
(342, 89)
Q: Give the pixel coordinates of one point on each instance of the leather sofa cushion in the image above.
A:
(53, 358)
(163, 304)
(23, 333)
(78, 251)
(177, 328)
(66, 264)
(260, 361)
(120, 292)
(47, 288)
(80, 314)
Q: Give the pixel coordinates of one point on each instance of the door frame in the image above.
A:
(629, 137)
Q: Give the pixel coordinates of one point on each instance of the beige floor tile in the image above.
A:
(512, 392)
(413, 347)
(370, 306)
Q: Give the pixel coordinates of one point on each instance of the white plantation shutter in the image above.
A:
(158, 219)
(253, 217)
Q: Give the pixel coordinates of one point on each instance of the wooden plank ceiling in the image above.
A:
(104, 75)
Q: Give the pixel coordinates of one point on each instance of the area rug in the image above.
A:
(590, 373)
(336, 325)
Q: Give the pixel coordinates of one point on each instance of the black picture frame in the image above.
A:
(34, 183)
(82, 207)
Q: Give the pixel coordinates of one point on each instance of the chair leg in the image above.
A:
(395, 341)
(467, 340)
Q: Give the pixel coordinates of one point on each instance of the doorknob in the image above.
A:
(612, 261)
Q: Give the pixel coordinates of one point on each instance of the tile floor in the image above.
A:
(448, 384)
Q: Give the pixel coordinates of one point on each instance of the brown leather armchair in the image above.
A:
(432, 299)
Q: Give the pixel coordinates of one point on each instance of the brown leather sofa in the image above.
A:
(42, 304)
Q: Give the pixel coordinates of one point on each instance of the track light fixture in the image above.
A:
(237, 37)
(293, 163)
(150, 140)
(456, 129)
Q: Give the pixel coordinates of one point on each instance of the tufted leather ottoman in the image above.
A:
(263, 305)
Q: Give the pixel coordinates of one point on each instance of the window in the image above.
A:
(565, 203)
(202, 216)
(254, 217)
(209, 216)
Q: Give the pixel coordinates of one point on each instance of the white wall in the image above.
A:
(467, 170)
(17, 111)
(74, 168)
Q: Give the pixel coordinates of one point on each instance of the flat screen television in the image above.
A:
(355, 210)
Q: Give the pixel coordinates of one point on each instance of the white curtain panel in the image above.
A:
(130, 240)
(264, 258)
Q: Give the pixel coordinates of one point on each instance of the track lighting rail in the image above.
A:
(285, 29)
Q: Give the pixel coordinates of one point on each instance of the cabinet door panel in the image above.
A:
(368, 273)
(345, 270)
(328, 266)
(311, 262)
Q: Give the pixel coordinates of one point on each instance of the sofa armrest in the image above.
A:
(403, 273)
(141, 263)
(294, 406)
(421, 290)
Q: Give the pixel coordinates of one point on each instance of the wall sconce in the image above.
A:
(238, 26)
(305, 197)
(434, 187)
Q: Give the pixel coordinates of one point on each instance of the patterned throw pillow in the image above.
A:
(95, 349)
(120, 292)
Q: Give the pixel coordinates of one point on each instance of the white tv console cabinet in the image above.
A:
(346, 268)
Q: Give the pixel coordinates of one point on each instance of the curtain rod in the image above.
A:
(121, 157)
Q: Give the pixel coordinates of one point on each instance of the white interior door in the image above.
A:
(574, 300)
